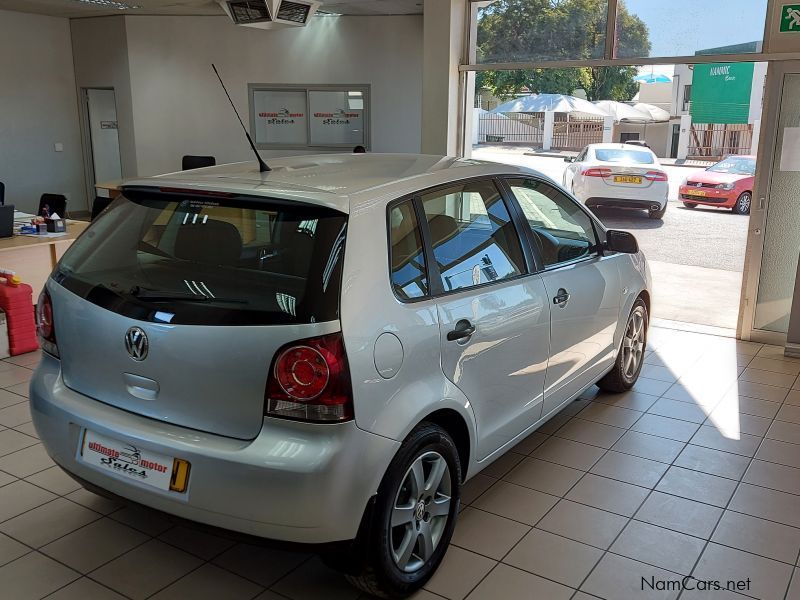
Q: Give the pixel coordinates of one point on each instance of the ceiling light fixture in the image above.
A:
(109, 4)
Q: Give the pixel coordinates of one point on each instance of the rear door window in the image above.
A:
(215, 261)
(409, 271)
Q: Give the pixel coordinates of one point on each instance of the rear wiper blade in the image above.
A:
(156, 295)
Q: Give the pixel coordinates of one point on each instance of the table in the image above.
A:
(33, 258)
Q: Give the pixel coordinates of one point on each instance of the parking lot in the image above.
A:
(696, 255)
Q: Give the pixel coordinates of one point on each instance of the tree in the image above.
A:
(541, 30)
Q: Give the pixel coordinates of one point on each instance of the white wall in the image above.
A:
(38, 108)
(178, 107)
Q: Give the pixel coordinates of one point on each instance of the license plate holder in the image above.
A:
(696, 192)
(627, 179)
(128, 461)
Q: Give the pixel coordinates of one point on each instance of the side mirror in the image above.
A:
(621, 241)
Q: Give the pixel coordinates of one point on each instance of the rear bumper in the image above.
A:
(295, 482)
(625, 203)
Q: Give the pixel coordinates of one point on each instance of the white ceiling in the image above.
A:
(76, 9)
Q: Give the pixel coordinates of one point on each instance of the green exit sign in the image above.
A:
(790, 18)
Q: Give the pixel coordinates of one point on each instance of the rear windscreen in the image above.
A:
(614, 155)
(175, 258)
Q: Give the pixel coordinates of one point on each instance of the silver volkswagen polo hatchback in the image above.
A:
(324, 353)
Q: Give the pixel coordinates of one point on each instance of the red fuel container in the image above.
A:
(16, 300)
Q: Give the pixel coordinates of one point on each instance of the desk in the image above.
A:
(33, 258)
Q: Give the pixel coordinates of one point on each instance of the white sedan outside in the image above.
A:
(618, 175)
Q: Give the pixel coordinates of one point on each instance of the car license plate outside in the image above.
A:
(126, 460)
(696, 192)
(627, 179)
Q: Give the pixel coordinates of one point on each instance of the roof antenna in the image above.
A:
(262, 166)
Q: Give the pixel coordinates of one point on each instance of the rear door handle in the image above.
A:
(463, 330)
(561, 298)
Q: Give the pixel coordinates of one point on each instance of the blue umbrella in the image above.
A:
(653, 78)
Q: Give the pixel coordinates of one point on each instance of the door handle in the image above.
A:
(463, 330)
(561, 298)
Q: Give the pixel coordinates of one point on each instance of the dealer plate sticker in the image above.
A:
(126, 460)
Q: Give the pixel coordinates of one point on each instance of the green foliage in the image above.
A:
(541, 30)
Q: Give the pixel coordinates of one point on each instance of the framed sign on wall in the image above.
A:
(319, 117)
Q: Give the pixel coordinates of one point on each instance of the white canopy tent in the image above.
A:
(623, 112)
(658, 115)
(559, 103)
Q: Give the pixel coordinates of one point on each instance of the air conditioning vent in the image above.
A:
(244, 12)
(293, 11)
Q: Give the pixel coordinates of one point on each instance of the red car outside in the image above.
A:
(727, 184)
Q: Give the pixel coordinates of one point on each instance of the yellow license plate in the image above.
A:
(627, 179)
(696, 192)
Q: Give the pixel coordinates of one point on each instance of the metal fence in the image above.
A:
(716, 140)
(512, 128)
(569, 134)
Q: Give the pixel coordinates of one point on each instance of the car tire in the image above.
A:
(743, 202)
(406, 492)
(690, 204)
(657, 214)
(630, 356)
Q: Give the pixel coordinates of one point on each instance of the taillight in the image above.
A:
(656, 176)
(310, 381)
(45, 326)
(597, 172)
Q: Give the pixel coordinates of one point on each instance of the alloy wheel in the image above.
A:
(420, 511)
(743, 204)
(633, 343)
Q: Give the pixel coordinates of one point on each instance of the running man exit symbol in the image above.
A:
(790, 17)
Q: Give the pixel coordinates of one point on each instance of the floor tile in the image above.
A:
(194, 541)
(259, 564)
(707, 395)
(27, 429)
(5, 478)
(156, 566)
(11, 441)
(648, 446)
(698, 486)
(583, 523)
(651, 386)
(85, 589)
(48, 522)
(776, 366)
(761, 391)
(26, 461)
(11, 549)
(676, 409)
(768, 579)
(14, 375)
(765, 503)
(33, 576)
(93, 501)
(679, 514)
(19, 497)
(767, 377)
(530, 443)
(16, 414)
(568, 453)
(487, 534)
(608, 494)
(715, 462)
(503, 465)
(9, 398)
(793, 397)
(209, 583)
(750, 406)
(476, 486)
(794, 588)
(784, 432)
(144, 519)
(661, 373)
(775, 476)
(29, 359)
(779, 452)
(54, 480)
(21, 389)
(458, 574)
(507, 582)
(789, 413)
(94, 545)
(554, 557)
(632, 400)
(589, 432)
(673, 429)
(658, 546)
(630, 469)
(751, 424)
(711, 437)
(554, 424)
(610, 415)
(772, 540)
(621, 578)
(543, 476)
(516, 502)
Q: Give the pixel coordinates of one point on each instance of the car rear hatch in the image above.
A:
(173, 305)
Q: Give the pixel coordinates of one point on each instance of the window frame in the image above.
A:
(597, 228)
(436, 289)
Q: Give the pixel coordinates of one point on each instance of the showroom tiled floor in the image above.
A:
(696, 471)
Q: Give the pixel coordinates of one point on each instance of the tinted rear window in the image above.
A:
(182, 259)
(615, 155)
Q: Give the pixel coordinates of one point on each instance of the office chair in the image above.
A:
(55, 203)
(2, 193)
(99, 205)
(197, 162)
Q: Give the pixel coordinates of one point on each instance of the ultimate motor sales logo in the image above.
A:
(129, 462)
(282, 117)
(339, 117)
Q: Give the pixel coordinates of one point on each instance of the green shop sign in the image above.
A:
(721, 92)
(790, 18)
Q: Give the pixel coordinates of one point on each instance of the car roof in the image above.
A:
(339, 181)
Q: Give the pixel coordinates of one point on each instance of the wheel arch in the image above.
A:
(456, 427)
